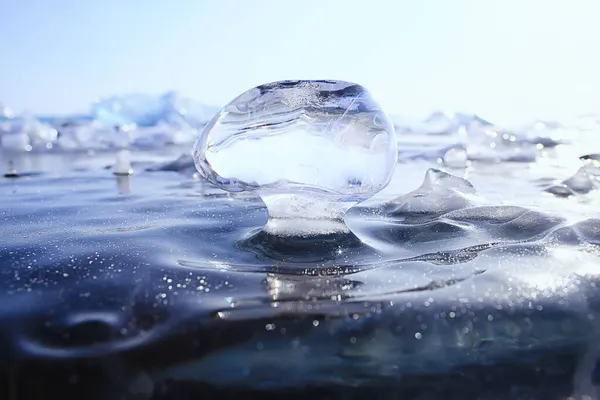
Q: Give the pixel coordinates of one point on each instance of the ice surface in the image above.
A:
(185, 162)
(141, 283)
(143, 277)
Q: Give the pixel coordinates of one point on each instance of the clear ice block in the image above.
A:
(312, 149)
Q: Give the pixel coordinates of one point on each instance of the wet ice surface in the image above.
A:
(480, 285)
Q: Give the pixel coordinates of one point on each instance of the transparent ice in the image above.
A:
(123, 163)
(311, 149)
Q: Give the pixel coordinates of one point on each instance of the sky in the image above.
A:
(502, 59)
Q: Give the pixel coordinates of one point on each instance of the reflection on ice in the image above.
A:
(502, 314)
(123, 184)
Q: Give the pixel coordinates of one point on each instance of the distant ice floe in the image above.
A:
(458, 138)
(134, 121)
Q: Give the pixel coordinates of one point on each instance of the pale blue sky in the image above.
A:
(504, 59)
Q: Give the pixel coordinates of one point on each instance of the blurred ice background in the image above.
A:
(463, 80)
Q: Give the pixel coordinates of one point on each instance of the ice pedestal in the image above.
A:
(311, 149)
(304, 213)
(303, 227)
(122, 165)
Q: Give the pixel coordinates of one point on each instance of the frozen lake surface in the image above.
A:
(477, 279)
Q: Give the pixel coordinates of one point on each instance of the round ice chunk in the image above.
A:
(300, 136)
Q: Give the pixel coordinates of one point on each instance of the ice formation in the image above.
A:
(139, 121)
(312, 149)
